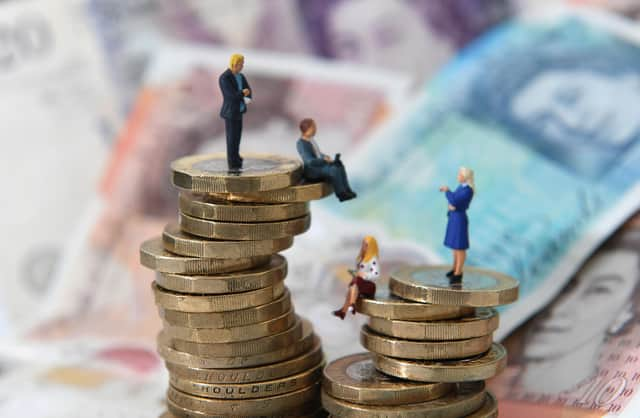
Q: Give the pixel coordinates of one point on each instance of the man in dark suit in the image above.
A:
(236, 94)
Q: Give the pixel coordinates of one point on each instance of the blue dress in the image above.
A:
(457, 236)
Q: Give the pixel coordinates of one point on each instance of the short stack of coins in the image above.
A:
(430, 345)
(232, 342)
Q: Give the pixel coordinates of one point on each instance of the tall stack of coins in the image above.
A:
(231, 340)
(430, 348)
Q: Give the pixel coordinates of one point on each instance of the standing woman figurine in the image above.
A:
(362, 284)
(457, 236)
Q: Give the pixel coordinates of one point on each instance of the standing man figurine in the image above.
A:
(236, 94)
(457, 235)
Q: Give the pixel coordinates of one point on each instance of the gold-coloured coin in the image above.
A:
(355, 379)
(480, 367)
(463, 400)
(272, 405)
(178, 242)
(423, 350)
(430, 284)
(228, 319)
(484, 321)
(273, 371)
(241, 281)
(386, 305)
(238, 231)
(237, 361)
(210, 173)
(303, 192)
(242, 348)
(206, 206)
(251, 390)
(216, 303)
(154, 256)
(300, 412)
(224, 335)
(488, 410)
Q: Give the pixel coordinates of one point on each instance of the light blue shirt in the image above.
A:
(239, 81)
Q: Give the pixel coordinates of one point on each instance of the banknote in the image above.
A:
(103, 290)
(581, 351)
(557, 167)
(56, 97)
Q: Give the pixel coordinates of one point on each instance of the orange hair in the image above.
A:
(368, 250)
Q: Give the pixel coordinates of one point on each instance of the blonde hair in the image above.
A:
(467, 173)
(370, 251)
(234, 59)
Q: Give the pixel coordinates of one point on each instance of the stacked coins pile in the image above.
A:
(430, 348)
(231, 340)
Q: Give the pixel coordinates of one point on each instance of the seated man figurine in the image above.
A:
(320, 167)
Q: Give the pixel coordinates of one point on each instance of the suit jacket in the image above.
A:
(232, 97)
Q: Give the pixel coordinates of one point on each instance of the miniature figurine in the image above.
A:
(236, 94)
(457, 235)
(319, 166)
(362, 284)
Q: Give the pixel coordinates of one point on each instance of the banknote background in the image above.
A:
(540, 97)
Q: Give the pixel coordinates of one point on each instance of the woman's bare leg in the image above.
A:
(459, 263)
(352, 296)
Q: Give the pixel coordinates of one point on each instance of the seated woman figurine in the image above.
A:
(362, 284)
(319, 166)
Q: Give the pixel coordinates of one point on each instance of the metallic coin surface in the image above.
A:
(251, 390)
(423, 350)
(228, 319)
(209, 173)
(242, 348)
(216, 303)
(484, 321)
(386, 305)
(154, 256)
(271, 405)
(303, 192)
(480, 367)
(239, 231)
(273, 371)
(240, 281)
(488, 410)
(176, 241)
(354, 378)
(463, 400)
(430, 284)
(172, 355)
(223, 335)
(206, 206)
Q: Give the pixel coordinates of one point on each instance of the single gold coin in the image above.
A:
(172, 355)
(274, 371)
(154, 256)
(484, 321)
(480, 367)
(423, 350)
(251, 390)
(213, 208)
(224, 335)
(386, 305)
(463, 400)
(355, 379)
(242, 348)
(210, 173)
(272, 405)
(304, 411)
(430, 284)
(176, 241)
(488, 410)
(238, 231)
(240, 281)
(228, 319)
(302, 192)
(216, 303)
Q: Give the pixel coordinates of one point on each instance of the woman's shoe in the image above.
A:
(339, 313)
(450, 274)
(455, 279)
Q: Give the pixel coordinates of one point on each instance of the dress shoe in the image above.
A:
(455, 279)
(339, 313)
(450, 274)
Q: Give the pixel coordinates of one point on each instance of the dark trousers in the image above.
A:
(233, 129)
(333, 172)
